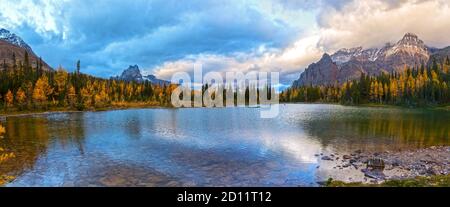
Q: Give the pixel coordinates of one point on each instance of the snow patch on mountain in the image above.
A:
(410, 44)
(12, 38)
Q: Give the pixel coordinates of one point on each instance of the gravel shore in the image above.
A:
(381, 166)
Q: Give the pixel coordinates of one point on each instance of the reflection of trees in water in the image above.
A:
(69, 131)
(133, 126)
(4, 156)
(29, 138)
(382, 131)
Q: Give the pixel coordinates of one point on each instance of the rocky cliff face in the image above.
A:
(12, 45)
(323, 72)
(133, 73)
(349, 64)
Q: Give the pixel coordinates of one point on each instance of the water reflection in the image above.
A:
(381, 129)
(30, 138)
(204, 147)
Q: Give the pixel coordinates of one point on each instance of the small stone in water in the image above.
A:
(375, 163)
(326, 158)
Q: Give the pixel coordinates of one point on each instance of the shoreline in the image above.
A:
(68, 110)
(372, 105)
(4, 114)
(391, 168)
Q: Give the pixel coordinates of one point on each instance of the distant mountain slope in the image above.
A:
(133, 73)
(12, 45)
(349, 64)
(155, 80)
(440, 55)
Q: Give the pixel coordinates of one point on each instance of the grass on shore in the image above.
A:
(432, 181)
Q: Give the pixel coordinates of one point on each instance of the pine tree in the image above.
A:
(78, 66)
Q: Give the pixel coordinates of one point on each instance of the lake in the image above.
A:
(207, 146)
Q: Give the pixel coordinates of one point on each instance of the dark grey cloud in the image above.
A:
(108, 35)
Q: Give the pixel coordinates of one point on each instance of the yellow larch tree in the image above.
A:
(61, 78)
(21, 98)
(42, 90)
(71, 96)
(9, 99)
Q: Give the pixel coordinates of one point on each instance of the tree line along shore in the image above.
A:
(416, 87)
(27, 88)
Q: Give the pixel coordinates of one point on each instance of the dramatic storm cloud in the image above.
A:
(166, 36)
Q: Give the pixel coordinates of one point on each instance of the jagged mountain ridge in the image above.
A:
(12, 45)
(349, 64)
(12, 38)
(133, 73)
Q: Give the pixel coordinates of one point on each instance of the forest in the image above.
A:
(425, 85)
(27, 88)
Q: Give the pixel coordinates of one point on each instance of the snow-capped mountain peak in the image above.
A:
(411, 38)
(358, 53)
(12, 38)
(410, 44)
(344, 55)
(349, 64)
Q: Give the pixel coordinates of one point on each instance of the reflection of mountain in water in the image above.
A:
(29, 139)
(381, 131)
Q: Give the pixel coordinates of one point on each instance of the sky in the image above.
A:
(168, 36)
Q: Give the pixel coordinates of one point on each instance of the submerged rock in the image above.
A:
(346, 157)
(326, 158)
(375, 174)
(375, 163)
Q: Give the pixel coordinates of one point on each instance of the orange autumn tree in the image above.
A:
(2, 130)
(42, 91)
(9, 99)
(21, 98)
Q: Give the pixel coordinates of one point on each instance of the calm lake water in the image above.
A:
(206, 147)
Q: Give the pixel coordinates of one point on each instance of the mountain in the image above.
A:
(349, 64)
(11, 44)
(12, 38)
(323, 72)
(133, 73)
(154, 80)
(440, 55)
